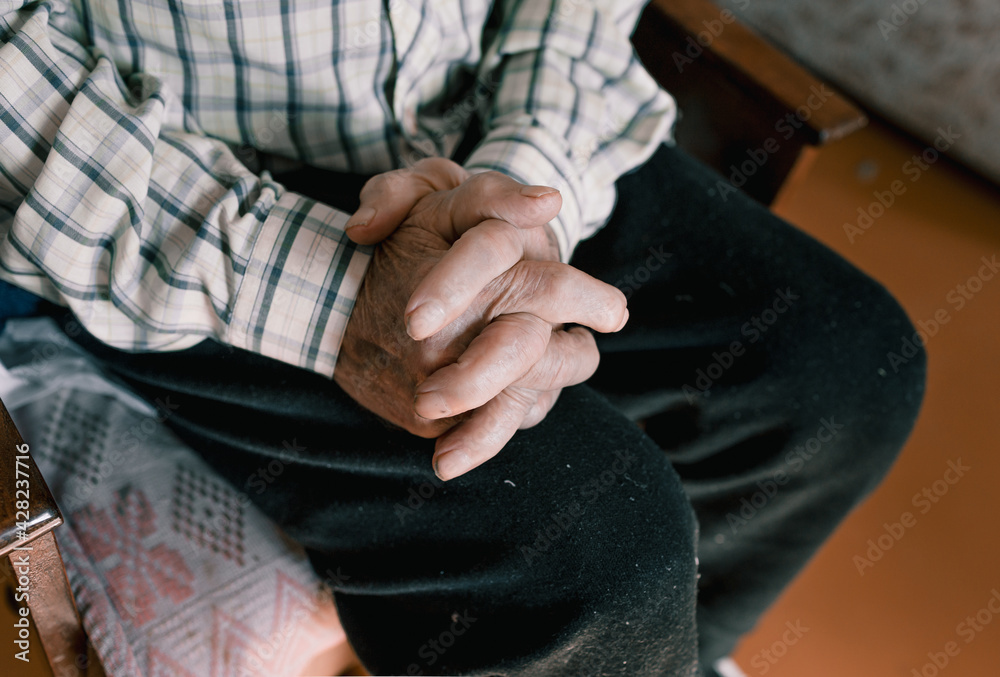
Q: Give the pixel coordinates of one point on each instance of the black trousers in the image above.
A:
(755, 356)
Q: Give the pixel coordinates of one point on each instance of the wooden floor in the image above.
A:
(910, 606)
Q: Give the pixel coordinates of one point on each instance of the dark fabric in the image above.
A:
(757, 358)
(15, 302)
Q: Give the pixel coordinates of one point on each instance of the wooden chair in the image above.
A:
(739, 96)
(29, 548)
(736, 93)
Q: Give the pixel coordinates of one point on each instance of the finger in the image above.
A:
(541, 408)
(571, 357)
(387, 198)
(480, 255)
(502, 353)
(560, 294)
(482, 436)
(492, 195)
(555, 292)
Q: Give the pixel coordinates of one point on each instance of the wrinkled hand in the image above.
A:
(472, 274)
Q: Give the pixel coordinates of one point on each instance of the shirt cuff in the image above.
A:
(531, 156)
(300, 285)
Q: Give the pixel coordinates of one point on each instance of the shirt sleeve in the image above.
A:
(574, 107)
(114, 203)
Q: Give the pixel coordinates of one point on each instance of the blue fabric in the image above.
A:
(15, 302)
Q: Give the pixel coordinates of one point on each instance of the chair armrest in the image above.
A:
(18, 473)
(736, 91)
(28, 545)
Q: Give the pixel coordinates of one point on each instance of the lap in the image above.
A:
(540, 556)
(755, 355)
(735, 309)
(584, 521)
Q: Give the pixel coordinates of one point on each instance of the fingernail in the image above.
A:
(624, 322)
(425, 320)
(537, 191)
(431, 405)
(452, 464)
(360, 218)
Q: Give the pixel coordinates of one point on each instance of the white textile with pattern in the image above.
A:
(173, 570)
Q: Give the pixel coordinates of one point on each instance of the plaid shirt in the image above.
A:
(130, 184)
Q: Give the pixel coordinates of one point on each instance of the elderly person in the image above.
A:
(184, 178)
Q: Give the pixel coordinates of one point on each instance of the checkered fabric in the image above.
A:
(135, 137)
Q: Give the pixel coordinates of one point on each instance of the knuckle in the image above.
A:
(396, 179)
(441, 172)
(372, 187)
(521, 400)
(508, 290)
(540, 409)
(529, 275)
(429, 164)
(530, 336)
(485, 185)
(561, 372)
(487, 180)
(575, 362)
(558, 280)
(499, 239)
(533, 418)
(478, 184)
(385, 184)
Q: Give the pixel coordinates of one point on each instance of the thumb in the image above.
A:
(388, 198)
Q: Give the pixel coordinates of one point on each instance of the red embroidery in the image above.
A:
(160, 665)
(138, 575)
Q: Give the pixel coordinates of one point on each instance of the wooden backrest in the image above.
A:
(745, 105)
(28, 514)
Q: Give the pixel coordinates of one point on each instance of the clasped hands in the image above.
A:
(458, 330)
